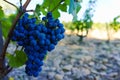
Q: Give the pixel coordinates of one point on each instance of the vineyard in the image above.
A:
(36, 45)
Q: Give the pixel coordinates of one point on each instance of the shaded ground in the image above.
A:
(93, 59)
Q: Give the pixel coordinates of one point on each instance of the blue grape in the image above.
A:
(51, 47)
(49, 15)
(44, 18)
(37, 39)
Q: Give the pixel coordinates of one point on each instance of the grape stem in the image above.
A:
(3, 70)
(30, 11)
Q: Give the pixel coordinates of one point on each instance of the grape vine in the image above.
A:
(37, 39)
(36, 36)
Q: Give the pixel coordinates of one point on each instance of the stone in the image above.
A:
(76, 72)
(72, 61)
(104, 61)
(97, 78)
(103, 73)
(91, 63)
(85, 71)
(94, 71)
(53, 68)
(84, 51)
(67, 67)
(67, 78)
(59, 77)
(100, 67)
(87, 58)
(118, 63)
(113, 74)
(56, 62)
(68, 73)
(51, 75)
(75, 56)
(81, 62)
(79, 72)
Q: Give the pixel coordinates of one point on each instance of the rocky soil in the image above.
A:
(94, 59)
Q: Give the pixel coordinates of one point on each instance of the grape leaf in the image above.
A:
(78, 7)
(37, 9)
(5, 23)
(63, 7)
(56, 14)
(54, 6)
(71, 6)
(1, 13)
(67, 2)
(74, 8)
(18, 59)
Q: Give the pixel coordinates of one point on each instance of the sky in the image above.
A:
(106, 10)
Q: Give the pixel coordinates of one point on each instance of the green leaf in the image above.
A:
(37, 9)
(63, 7)
(5, 23)
(74, 8)
(46, 57)
(78, 8)
(67, 2)
(54, 6)
(1, 13)
(18, 59)
(71, 6)
(56, 14)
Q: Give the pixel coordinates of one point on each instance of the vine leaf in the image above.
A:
(17, 60)
(63, 8)
(67, 2)
(56, 14)
(1, 13)
(74, 8)
(37, 10)
(78, 7)
(54, 6)
(5, 23)
(71, 6)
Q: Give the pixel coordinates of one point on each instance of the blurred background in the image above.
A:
(90, 49)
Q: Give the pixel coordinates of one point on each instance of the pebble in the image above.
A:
(103, 73)
(85, 71)
(67, 68)
(113, 74)
(91, 63)
(77, 62)
(76, 73)
(51, 75)
(87, 58)
(59, 77)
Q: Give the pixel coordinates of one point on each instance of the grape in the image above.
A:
(51, 47)
(44, 18)
(37, 39)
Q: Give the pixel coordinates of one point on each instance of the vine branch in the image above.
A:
(11, 4)
(30, 11)
(2, 56)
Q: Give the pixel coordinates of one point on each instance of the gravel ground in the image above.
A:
(91, 60)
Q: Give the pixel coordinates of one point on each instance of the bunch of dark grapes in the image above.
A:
(37, 39)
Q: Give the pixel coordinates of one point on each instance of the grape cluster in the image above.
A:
(37, 39)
